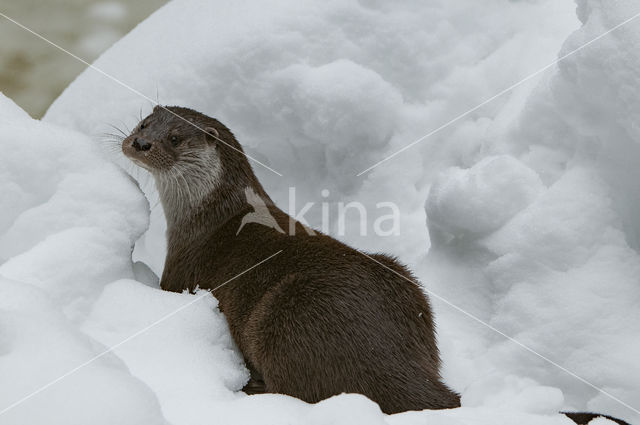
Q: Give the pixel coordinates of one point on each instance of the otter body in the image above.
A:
(312, 316)
(318, 319)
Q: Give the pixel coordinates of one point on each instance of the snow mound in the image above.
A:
(482, 198)
(561, 273)
(65, 311)
(65, 242)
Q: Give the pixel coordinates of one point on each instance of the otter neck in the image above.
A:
(199, 203)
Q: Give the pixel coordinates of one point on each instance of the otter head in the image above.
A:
(181, 149)
(195, 160)
(172, 140)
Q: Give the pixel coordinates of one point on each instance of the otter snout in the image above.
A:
(140, 144)
(140, 150)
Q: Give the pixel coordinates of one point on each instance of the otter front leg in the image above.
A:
(256, 383)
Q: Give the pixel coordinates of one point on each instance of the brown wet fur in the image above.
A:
(316, 320)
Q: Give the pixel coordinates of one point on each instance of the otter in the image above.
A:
(319, 318)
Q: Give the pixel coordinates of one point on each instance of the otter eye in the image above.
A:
(174, 140)
(142, 126)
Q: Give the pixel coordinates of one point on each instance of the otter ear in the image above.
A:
(212, 132)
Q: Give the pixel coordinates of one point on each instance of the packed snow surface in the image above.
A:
(520, 217)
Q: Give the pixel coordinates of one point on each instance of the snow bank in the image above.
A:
(69, 223)
(69, 220)
(561, 275)
(530, 203)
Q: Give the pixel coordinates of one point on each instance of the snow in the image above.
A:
(531, 205)
(482, 198)
(561, 275)
(200, 353)
(68, 225)
(601, 421)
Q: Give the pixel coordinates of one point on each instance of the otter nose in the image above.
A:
(141, 144)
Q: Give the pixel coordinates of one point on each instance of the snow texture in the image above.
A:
(531, 205)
